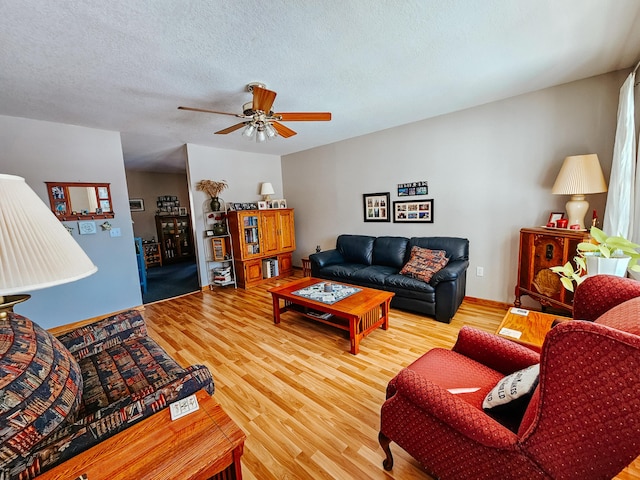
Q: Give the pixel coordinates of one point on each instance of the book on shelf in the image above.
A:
(316, 314)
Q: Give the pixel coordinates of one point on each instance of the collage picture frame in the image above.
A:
(413, 211)
(376, 207)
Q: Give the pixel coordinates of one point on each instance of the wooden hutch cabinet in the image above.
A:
(540, 249)
(262, 244)
(175, 238)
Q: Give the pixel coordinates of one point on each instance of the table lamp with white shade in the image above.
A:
(36, 250)
(579, 175)
(266, 190)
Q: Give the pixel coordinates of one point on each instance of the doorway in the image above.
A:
(162, 213)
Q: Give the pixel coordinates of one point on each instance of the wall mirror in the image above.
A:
(80, 201)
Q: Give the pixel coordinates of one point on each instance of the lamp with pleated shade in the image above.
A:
(36, 250)
(579, 175)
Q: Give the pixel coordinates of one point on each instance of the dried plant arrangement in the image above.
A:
(211, 187)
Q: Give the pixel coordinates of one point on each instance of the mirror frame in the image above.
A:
(62, 208)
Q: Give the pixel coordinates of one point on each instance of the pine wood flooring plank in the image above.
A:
(310, 409)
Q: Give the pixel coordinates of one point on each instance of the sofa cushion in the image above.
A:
(356, 249)
(40, 386)
(341, 270)
(98, 336)
(409, 284)
(460, 375)
(390, 251)
(456, 248)
(375, 274)
(126, 369)
(424, 263)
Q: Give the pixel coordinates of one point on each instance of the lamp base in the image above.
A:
(577, 207)
(8, 301)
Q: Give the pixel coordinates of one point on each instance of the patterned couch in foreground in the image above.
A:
(60, 396)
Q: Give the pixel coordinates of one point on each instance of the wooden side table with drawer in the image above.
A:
(205, 444)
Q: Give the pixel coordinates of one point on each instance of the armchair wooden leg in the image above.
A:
(387, 463)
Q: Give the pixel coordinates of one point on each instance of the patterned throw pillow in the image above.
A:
(424, 263)
(40, 386)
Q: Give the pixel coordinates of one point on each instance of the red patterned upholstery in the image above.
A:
(582, 422)
(600, 293)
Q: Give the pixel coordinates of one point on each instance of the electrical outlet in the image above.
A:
(479, 271)
(115, 232)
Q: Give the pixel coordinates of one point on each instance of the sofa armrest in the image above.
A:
(323, 259)
(495, 352)
(95, 337)
(88, 431)
(451, 272)
(451, 410)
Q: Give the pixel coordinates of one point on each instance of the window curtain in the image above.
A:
(622, 215)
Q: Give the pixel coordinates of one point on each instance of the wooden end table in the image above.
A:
(205, 444)
(359, 314)
(527, 327)
(306, 267)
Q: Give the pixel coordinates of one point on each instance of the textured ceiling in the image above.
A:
(127, 65)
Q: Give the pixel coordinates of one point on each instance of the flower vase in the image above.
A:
(215, 204)
(219, 229)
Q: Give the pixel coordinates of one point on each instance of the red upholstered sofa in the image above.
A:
(583, 420)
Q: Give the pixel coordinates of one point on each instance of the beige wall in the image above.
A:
(149, 186)
(490, 171)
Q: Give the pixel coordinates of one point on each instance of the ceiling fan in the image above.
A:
(260, 120)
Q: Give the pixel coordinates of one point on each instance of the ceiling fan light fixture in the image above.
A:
(261, 136)
(270, 131)
(248, 132)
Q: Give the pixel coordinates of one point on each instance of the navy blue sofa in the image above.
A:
(375, 262)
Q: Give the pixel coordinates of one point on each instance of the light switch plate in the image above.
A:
(184, 407)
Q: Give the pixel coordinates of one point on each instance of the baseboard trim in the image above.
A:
(487, 303)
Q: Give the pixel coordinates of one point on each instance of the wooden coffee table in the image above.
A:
(359, 314)
(527, 327)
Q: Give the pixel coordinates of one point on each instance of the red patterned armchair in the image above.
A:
(582, 421)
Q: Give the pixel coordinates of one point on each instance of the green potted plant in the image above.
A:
(609, 255)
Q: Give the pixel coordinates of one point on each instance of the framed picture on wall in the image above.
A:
(136, 204)
(376, 207)
(413, 211)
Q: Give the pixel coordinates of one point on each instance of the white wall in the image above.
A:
(44, 151)
(490, 171)
(244, 173)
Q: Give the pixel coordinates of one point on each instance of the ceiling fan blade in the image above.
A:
(230, 129)
(263, 99)
(304, 116)
(205, 111)
(283, 130)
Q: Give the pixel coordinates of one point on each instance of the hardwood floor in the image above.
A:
(309, 408)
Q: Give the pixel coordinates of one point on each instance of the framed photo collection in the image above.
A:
(413, 211)
(376, 207)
